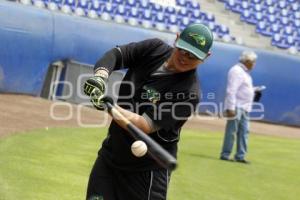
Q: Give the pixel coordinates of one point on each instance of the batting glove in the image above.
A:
(95, 88)
(100, 102)
(96, 82)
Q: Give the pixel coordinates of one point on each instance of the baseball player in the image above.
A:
(158, 101)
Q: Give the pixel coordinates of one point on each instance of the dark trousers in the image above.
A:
(113, 184)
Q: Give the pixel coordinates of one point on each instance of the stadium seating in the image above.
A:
(145, 13)
(277, 19)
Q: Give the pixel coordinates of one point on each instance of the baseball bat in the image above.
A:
(159, 154)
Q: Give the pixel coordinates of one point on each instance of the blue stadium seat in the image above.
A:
(248, 17)
(108, 8)
(92, 14)
(144, 4)
(52, 6)
(182, 3)
(222, 30)
(78, 11)
(282, 4)
(271, 10)
(298, 33)
(270, 19)
(131, 3)
(245, 5)
(58, 3)
(184, 12)
(280, 42)
(159, 26)
(117, 1)
(256, 8)
(255, 2)
(290, 41)
(159, 17)
(234, 6)
(263, 29)
(172, 23)
(184, 22)
(294, 7)
(209, 17)
(284, 21)
(120, 9)
(288, 31)
(169, 10)
(212, 26)
(297, 43)
(296, 15)
(70, 3)
(145, 15)
(269, 3)
(276, 39)
(96, 5)
(39, 3)
(106, 16)
(83, 4)
(66, 9)
(197, 21)
(193, 4)
(258, 16)
(275, 28)
(155, 8)
(133, 12)
(296, 23)
(284, 13)
(172, 19)
(196, 14)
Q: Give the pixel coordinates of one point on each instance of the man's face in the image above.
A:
(249, 64)
(183, 61)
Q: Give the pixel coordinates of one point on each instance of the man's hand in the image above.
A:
(95, 82)
(257, 96)
(230, 113)
(95, 88)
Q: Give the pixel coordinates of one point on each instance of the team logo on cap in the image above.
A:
(198, 38)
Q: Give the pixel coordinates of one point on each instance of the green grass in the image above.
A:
(55, 164)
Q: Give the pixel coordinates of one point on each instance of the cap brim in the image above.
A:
(186, 46)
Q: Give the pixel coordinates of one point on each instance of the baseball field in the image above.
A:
(54, 163)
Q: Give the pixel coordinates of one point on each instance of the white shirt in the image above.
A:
(240, 90)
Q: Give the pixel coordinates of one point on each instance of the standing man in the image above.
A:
(238, 104)
(163, 93)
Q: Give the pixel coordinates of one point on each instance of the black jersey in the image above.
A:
(168, 100)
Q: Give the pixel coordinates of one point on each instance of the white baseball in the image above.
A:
(139, 148)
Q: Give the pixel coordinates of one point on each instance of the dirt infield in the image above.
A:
(19, 113)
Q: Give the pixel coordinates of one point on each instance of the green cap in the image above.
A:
(196, 39)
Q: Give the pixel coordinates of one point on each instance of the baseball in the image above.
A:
(139, 148)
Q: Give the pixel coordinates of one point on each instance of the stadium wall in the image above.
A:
(32, 39)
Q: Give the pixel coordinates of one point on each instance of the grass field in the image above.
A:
(54, 164)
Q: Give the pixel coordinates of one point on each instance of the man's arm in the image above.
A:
(138, 120)
(110, 61)
(233, 83)
(95, 86)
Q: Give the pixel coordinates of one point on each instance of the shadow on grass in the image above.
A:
(201, 155)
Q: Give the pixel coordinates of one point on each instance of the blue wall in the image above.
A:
(33, 38)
